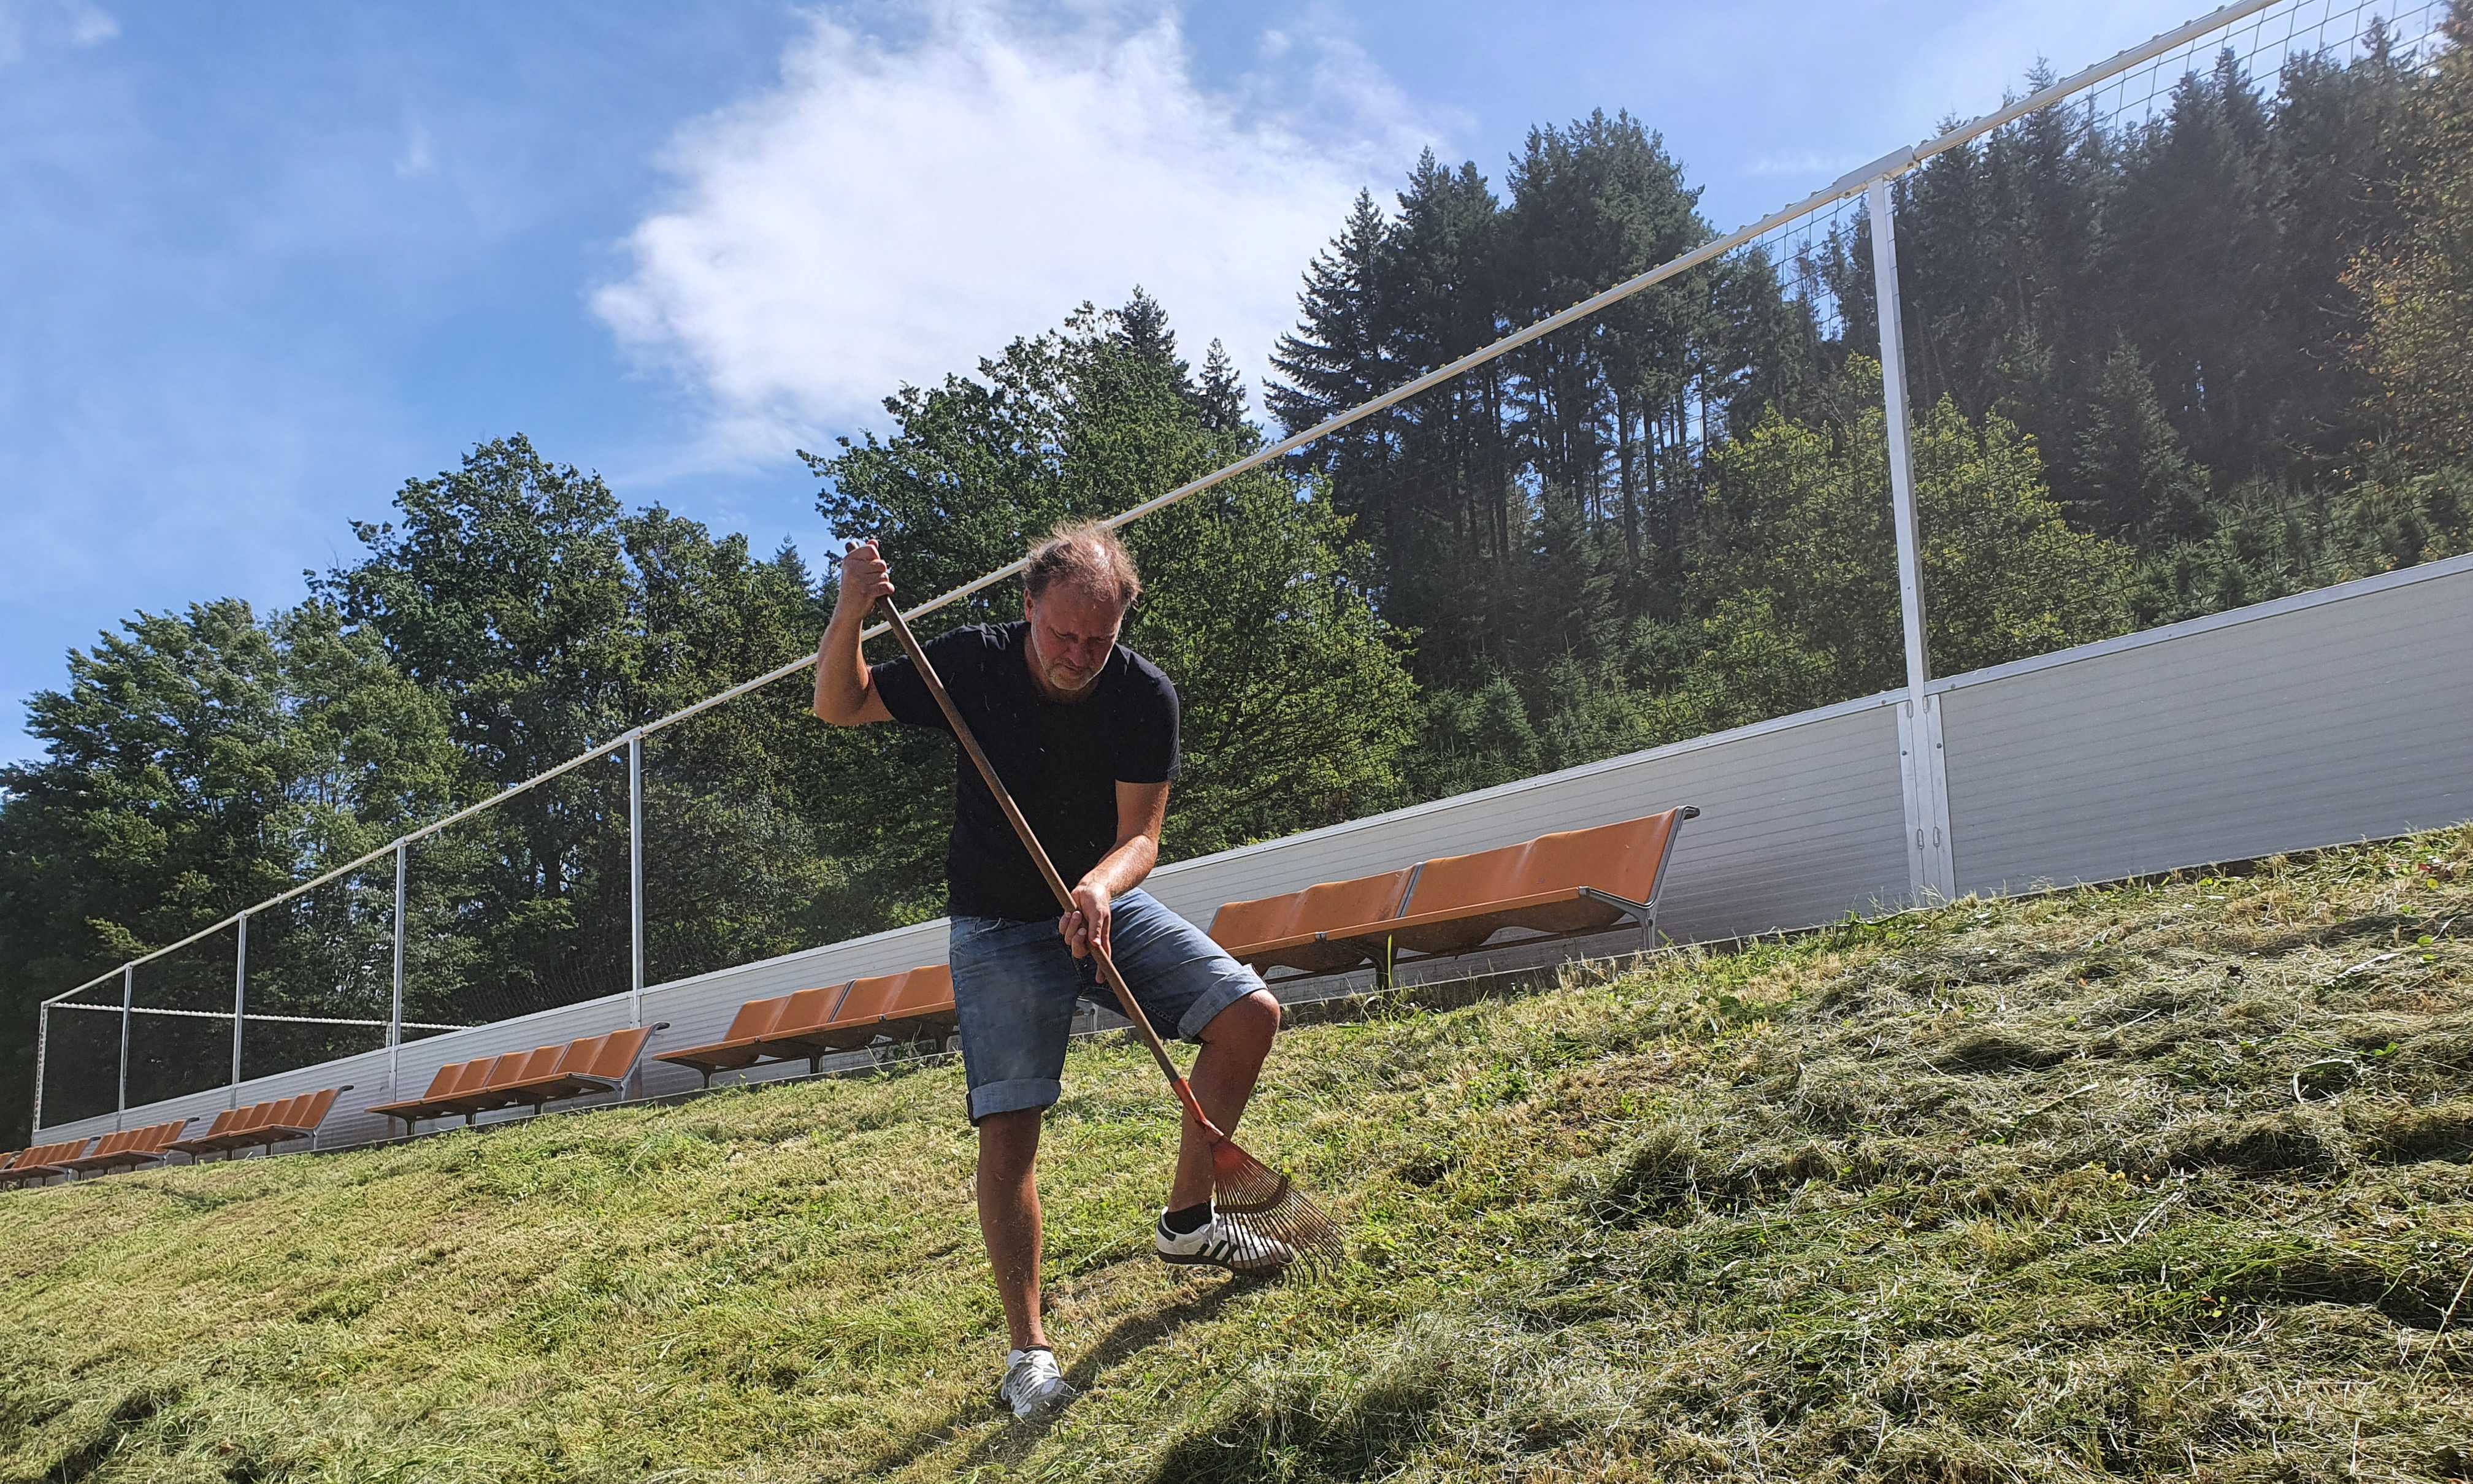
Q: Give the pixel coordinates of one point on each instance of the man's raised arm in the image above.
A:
(845, 695)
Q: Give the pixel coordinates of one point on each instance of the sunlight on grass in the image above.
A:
(2162, 1178)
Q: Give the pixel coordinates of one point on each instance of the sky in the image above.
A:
(259, 265)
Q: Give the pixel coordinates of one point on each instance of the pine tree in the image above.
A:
(1335, 358)
(2420, 289)
(2194, 257)
(1221, 399)
(2134, 477)
(1141, 326)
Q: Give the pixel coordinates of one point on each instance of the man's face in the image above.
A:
(1070, 634)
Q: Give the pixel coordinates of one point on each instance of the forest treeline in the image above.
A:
(2158, 370)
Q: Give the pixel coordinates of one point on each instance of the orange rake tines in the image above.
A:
(1264, 1211)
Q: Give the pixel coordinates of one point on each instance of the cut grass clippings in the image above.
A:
(2166, 1178)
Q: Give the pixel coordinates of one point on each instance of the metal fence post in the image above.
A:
(636, 878)
(240, 1003)
(394, 1008)
(42, 1050)
(127, 997)
(1929, 867)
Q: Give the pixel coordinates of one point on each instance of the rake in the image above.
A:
(1261, 1210)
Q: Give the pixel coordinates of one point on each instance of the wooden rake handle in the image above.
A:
(1046, 868)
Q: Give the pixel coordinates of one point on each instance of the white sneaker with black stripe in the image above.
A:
(1032, 1385)
(1213, 1244)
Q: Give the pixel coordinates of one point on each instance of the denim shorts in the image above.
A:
(1016, 987)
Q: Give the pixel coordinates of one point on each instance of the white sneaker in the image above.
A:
(1216, 1244)
(1032, 1385)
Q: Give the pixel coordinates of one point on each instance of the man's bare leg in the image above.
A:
(1008, 1191)
(1234, 1045)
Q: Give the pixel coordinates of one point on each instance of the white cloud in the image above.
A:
(25, 24)
(892, 210)
(90, 25)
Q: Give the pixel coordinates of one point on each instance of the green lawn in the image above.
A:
(2160, 1180)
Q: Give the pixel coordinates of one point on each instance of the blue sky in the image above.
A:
(261, 263)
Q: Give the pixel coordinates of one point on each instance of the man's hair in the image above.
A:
(1087, 554)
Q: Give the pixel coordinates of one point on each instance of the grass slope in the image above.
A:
(2160, 1180)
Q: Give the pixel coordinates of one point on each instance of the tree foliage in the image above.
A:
(1297, 701)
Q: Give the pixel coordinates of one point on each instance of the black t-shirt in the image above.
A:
(1061, 762)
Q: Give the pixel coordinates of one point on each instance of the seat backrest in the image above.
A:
(258, 1115)
(1622, 859)
(578, 1057)
(442, 1081)
(1330, 906)
(162, 1134)
(924, 990)
(474, 1074)
(312, 1110)
(278, 1114)
(755, 1017)
(223, 1121)
(810, 1009)
(502, 1070)
(537, 1063)
(617, 1054)
(867, 999)
(112, 1144)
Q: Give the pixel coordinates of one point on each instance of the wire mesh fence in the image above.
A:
(79, 1060)
(2303, 34)
(2139, 333)
(763, 830)
(321, 974)
(180, 1020)
(524, 907)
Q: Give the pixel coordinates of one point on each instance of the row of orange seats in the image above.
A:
(813, 1024)
(535, 1078)
(1561, 885)
(259, 1125)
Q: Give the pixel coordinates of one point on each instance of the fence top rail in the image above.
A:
(1853, 183)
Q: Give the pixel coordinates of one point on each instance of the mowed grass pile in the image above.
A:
(2162, 1180)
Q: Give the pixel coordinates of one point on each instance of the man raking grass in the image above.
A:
(1068, 743)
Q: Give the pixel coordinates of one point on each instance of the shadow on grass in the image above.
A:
(1133, 1333)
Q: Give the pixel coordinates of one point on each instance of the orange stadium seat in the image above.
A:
(124, 1151)
(412, 1110)
(1560, 885)
(1313, 930)
(593, 1064)
(296, 1118)
(741, 1045)
(41, 1162)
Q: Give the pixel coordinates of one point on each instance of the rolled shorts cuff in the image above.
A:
(1014, 1095)
(1218, 997)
